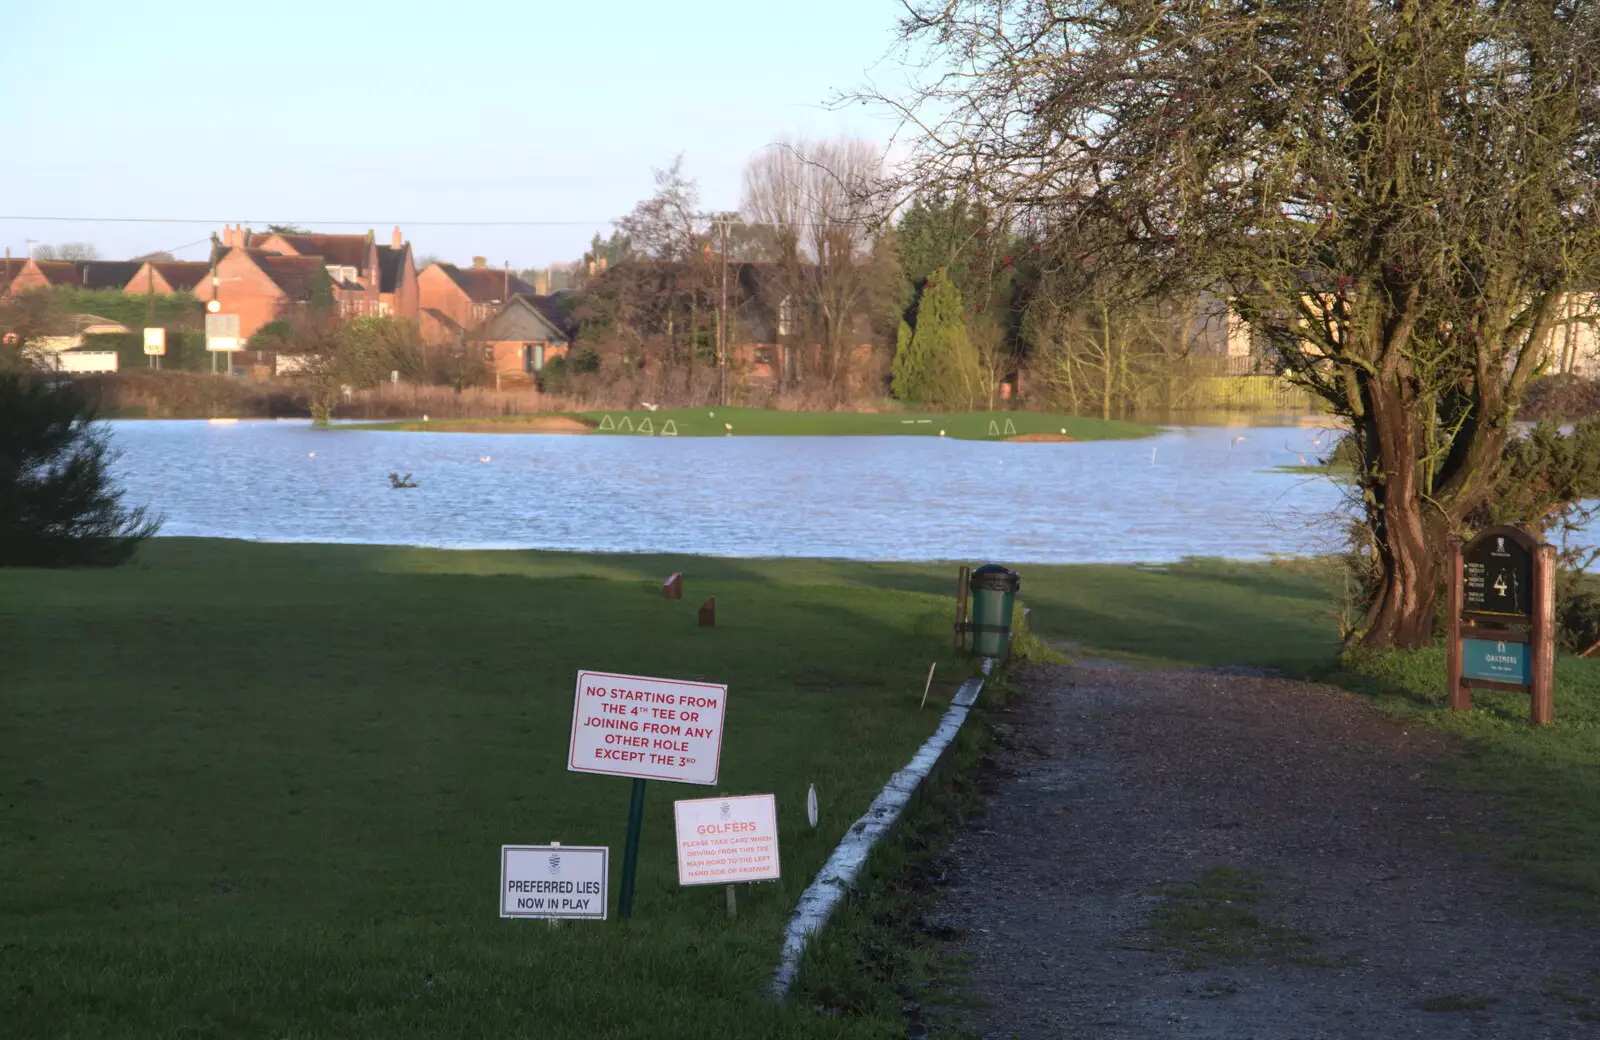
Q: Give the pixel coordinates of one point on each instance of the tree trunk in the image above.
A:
(1105, 366)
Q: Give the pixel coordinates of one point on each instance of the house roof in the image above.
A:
(59, 272)
(295, 275)
(391, 263)
(343, 250)
(180, 274)
(524, 318)
(486, 285)
(557, 308)
(107, 274)
(444, 320)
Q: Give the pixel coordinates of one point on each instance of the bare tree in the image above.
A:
(1400, 193)
(815, 204)
(72, 251)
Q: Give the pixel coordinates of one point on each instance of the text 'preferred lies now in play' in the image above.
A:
(650, 729)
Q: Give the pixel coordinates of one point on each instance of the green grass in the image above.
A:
(259, 790)
(1218, 919)
(761, 422)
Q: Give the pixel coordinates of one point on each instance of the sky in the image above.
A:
(384, 114)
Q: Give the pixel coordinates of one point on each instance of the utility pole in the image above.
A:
(722, 321)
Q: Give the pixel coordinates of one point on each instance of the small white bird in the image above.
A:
(728, 426)
(1236, 440)
(647, 406)
(941, 433)
(311, 454)
(711, 415)
(424, 416)
(487, 458)
(1063, 429)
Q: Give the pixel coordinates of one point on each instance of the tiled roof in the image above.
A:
(107, 274)
(391, 262)
(181, 274)
(343, 250)
(485, 285)
(295, 275)
(557, 310)
(59, 272)
(443, 319)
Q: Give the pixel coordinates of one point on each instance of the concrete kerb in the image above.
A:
(837, 876)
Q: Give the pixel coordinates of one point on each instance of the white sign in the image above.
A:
(222, 332)
(155, 341)
(554, 881)
(651, 729)
(724, 840)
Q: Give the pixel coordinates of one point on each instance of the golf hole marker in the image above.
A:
(554, 881)
(727, 840)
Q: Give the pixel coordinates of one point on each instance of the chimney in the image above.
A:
(505, 286)
(395, 240)
(480, 263)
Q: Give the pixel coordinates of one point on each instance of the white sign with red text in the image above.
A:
(727, 840)
(650, 729)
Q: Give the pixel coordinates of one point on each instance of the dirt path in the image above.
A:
(1197, 854)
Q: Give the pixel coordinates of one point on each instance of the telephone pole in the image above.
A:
(722, 321)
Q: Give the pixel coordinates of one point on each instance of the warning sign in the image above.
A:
(554, 881)
(724, 840)
(652, 729)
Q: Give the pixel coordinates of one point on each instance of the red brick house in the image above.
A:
(351, 260)
(398, 292)
(42, 274)
(523, 335)
(165, 277)
(454, 301)
(260, 287)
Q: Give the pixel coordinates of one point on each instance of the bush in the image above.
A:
(58, 505)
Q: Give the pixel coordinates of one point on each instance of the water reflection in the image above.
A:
(1190, 491)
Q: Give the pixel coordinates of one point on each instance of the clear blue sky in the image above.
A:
(385, 113)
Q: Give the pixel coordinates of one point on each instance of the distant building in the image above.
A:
(524, 335)
(261, 287)
(454, 301)
(43, 274)
(166, 277)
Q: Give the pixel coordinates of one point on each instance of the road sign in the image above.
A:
(649, 729)
(725, 840)
(155, 341)
(222, 332)
(554, 881)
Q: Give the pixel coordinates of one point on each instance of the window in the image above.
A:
(786, 316)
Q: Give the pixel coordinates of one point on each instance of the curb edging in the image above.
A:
(838, 875)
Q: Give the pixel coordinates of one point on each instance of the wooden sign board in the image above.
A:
(1502, 619)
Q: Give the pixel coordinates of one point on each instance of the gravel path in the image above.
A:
(1117, 793)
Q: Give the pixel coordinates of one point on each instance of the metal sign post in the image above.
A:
(1502, 620)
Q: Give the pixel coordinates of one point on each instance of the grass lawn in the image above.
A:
(259, 790)
(761, 422)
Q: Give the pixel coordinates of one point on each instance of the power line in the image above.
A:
(325, 223)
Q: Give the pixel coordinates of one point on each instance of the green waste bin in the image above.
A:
(994, 594)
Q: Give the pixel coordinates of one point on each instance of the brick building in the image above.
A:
(523, 335)
(260, 286)
(166, 277)
(455, 301)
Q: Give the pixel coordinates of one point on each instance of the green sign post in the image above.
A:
(1502, 619)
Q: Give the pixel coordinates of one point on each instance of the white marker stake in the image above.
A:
(928, 685)
(811, 804)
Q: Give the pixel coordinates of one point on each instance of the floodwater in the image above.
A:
(1190, 491)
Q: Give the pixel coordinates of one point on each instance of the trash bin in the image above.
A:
(994, 593)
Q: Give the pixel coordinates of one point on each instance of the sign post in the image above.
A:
(647, 729)
(1502, 620)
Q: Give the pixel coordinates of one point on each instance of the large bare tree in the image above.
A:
(1400, 193)
(814, 205)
